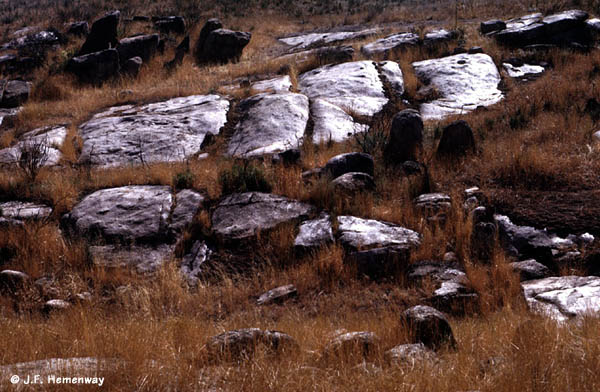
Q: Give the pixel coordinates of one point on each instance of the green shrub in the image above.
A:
(184, 179)
(243, 178)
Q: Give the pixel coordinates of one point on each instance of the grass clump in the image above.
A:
(243, 177)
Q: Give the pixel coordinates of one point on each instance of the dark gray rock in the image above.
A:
(103, 34)
(170, 24)
(350, 162)
(132, 66)
(433, 202)
(352, 347)
(188, 204)
(241, 344)
(243, 215)
(96, 67)
(528, 242)
(278, 295)
(12, 281)
(78, 28)
(287, 157)
(429, 326)
(409, 355)
(143, 46)
(223, 46)
(210, 26)
(353, 182)
(475, 50)
(406, 137)
(457, 140)
(530, 270)
(491, 26)
(314, 233)
(14, 93)
(194, 262)
(129, 213)
(439, 37)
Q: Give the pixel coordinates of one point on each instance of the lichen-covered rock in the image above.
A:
(188, 204)
(271, 123)
(530, 270)
(409, 355)
(384, 46)
(464, 81)
(241, 344)
(314, 233)
(243, 215)
(429, 326)
(358, 233)
(352, 346)
(304, 41)
(165, 131)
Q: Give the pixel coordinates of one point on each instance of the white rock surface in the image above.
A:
(391, 71)
(367, 233)
(331, 123)
(188, 204)
(318, 39)
(564, 297)
(282, 84)
(314, 233)
(19, 210)
(523, 21)
(389, 43)
(158, 132)
(523, 71)
(52, 139)
(465, 81)
(271, 123)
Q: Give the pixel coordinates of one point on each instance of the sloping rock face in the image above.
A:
(464, 81)
(271, 123)
(103, 34)
(338, 91)
(564, 28)
(51, 138)
(243, 215)
(129, 213)
(565, 297)
(314, 233)
(390, 43)
(159, 132)
(304, 41)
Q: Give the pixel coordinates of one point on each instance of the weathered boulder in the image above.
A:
(210, 26)
(165, 131)
(278, 295)
(47, 141)
(17, 212)
(311, 40)
(170, 24)
(530, 270)
(314, 233)
(194, 261)
(409, 355)
(243, 215)
(332, 123)
(429, 326)
(103, 34)
(129, 213)
(132, 66)
(12, 281)
(406, 137)
(96, 67)
(464, 81)
(78, 28)
(523, 71)
(180, 52)
(433, 202)
(437, 37)
(143, 46)
(353, 182)
(241, 344)
(491, 26)
(223, 46)
(352, 347)
(357, 233)
(391, 43)
(14, 93)
(188, 204)
(143, 258)
(349, 162)
(564, 297)
(457, 140)
(525, 241)
(483, 240)
(281, 84)
(271, 123)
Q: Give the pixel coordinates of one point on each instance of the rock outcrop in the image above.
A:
(103, 34)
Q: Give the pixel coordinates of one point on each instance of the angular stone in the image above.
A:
(271, 123)
(193, 262)
(11, 281)
(429, 326)
(103, 34)
(304, 41)
(132, 66)
(15, 93)
(491, 26)
(210, 26)
(358, 233)
(145, 259)
(391, 43)
(51, 138)
(188, 204)
(464, 81)
(352, 346)
(433, 201)
(78, 28)
(348, 163)
(314, 233)
(170, 24)
(222, 46)
(457, 140)
(409, 355)
(439, 36)
(243, 215)
(353, 182)
(530, 270)
(158, 132)
(524, 71)
(406, 137)
(129, 213)
(527, 241)
(565, 297)
(241, 344)
(278, 295)
(143, 46)
(55, 305)
(95, 67)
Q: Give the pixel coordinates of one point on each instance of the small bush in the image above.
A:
(184, 179)
(243, 177)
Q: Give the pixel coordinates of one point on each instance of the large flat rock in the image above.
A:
(17, 212)
(464, 81)
(129, 213)
(384, 46)
(359, 233)
(158, 132)
(270, 123)
(304, 41)
(564, 297)
(332, 123)
(242, 215)
(48, 140)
